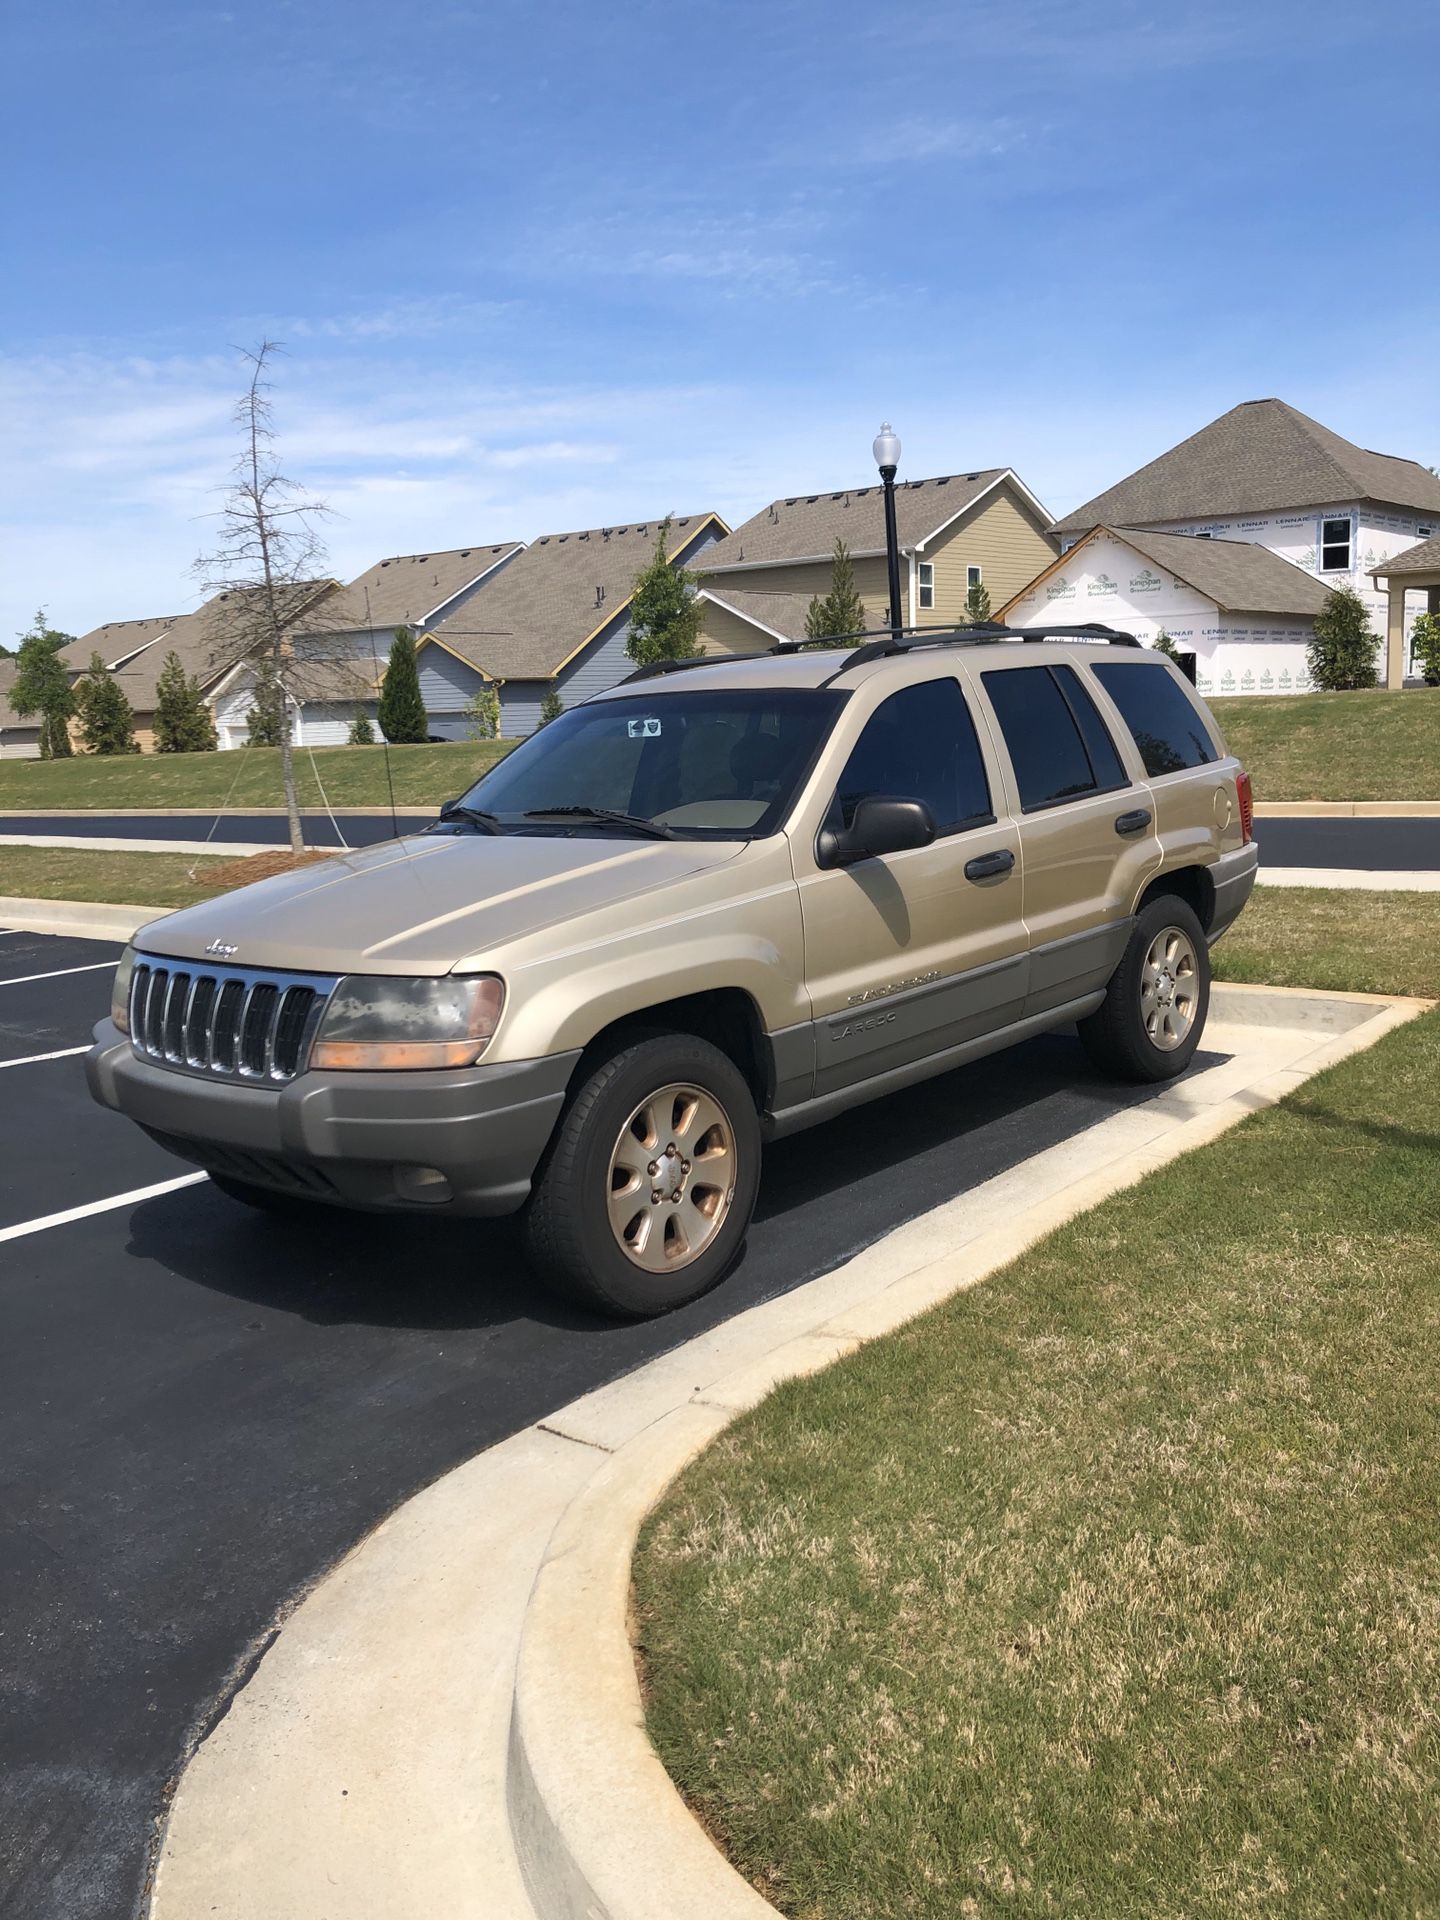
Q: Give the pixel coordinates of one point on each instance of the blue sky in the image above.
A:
(541, 268)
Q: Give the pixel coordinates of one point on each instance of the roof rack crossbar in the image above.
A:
(882, 643)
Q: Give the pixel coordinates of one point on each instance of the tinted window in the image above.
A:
(1168, 731)
(701, 762)
(920, 745)
(1057, 742)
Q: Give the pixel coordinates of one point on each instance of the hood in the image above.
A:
(424, 904)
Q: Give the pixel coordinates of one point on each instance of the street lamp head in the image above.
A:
(887, 447)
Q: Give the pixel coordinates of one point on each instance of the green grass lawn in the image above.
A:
(248, 777)
(123, 879)
(1338, 746)
(1110, 1587)
(1348, 941)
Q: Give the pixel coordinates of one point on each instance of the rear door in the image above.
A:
(921, 950)
(1192, 790)
(1086, 826)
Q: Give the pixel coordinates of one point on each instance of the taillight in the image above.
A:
(1247, 804)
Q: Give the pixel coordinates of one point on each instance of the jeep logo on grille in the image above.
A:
(222, 950)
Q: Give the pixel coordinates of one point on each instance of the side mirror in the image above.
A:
(881, 825)
(447, 808)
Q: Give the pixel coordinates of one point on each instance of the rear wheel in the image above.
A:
(1155, 1006)
(644, 1199)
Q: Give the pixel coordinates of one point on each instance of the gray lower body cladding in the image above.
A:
(1233, 877)
(353, 1139)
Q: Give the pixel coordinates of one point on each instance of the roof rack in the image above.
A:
(882, 643)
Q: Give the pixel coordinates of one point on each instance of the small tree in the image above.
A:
(977, 605)
(841, 614)
(483, 712)
(107, 720)
(1162, 643)
(403, 719)
(267, 713)
(1426, 641)
(182, 719)
(362, 733)
(665, 613)
(551, 707)
(1342, 650)
(42, 686)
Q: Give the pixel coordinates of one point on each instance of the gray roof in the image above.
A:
(208, 641)
(116, 640)
(402, 590)
(778, 613)
(805, 526)
(549, 600)
(1240, 576)
(1424, 558)
(1261, 457)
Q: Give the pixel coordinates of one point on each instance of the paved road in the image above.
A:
(201, 1410)
(1385, 845)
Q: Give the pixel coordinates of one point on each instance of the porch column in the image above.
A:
(1395, 634)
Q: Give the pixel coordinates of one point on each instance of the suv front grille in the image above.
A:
(227, 1023)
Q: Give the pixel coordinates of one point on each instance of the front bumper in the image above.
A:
(1233, 877)
(371, 1140)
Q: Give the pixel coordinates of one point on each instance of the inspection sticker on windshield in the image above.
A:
(643, 729)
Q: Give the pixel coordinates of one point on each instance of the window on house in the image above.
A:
(1058, 744)
(927, 585)
(1335, 546)
(972, 576)
(1424, 532)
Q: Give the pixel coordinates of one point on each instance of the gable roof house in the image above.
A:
(117, 641)
(1236, 606)
(1266, 473)
(343, 640)
(556, 616)
(957, 528)
(19, 739)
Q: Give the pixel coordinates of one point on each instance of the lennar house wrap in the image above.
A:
(1244, 613)
(1267, 475)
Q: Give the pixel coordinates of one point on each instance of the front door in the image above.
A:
(917, 951)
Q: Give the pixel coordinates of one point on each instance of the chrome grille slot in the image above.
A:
(226, 1023)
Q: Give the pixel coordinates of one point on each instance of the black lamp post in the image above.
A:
(887, 458)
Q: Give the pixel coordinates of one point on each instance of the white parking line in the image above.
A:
(34, 1059)
(24, 979)
(100, 1206)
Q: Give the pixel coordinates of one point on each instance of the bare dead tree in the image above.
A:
(268, 571)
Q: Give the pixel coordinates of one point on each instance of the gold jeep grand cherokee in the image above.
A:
(701, 911)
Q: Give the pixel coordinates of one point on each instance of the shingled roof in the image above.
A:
(209, 641)
(405, 589)
(779, 614)
(1240, 576)
(805, 526)
(1261, 457)
(116, 640)
(542, 607)
(1424, 558)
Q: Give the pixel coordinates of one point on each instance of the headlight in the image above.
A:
(373, 1021)
(120, 992)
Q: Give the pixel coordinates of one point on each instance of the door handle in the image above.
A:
(1134, 822)
(985, 866)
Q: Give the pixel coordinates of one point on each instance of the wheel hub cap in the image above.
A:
(1169, 989)
(672, 1178)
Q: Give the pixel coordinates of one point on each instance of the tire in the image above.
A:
(602, 1229)
(1135, 1033)
(283, 1206)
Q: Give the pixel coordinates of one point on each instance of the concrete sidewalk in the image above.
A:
(451, 1723)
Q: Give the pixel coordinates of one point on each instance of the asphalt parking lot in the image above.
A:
(201, 1409)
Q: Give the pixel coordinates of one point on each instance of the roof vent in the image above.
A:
(943, 481)
(860, 492)
(583, 536)
(422, 558)
(599, 596)
(604, 533)
(622, 529)
(811, 498)
(791, 501)
(465, 553)
(563, 538)
(773, 514)
(384, 563)
(972, 476)
(544, 540)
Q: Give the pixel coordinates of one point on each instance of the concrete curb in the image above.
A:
(88, 843)
(1347, 809)
(451, 1722)
(83, 919)
(1358, 879)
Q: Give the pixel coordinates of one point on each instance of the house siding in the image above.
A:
(447, 685)
(725, 632)
(1003, 538)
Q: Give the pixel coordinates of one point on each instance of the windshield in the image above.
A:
(714, 764)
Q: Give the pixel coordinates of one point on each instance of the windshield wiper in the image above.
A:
(471, 816)
(606, 816)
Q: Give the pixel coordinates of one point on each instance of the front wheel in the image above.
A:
(1153, 1014)
(644, 1199)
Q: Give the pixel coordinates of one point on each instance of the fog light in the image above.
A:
(423, 1183)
